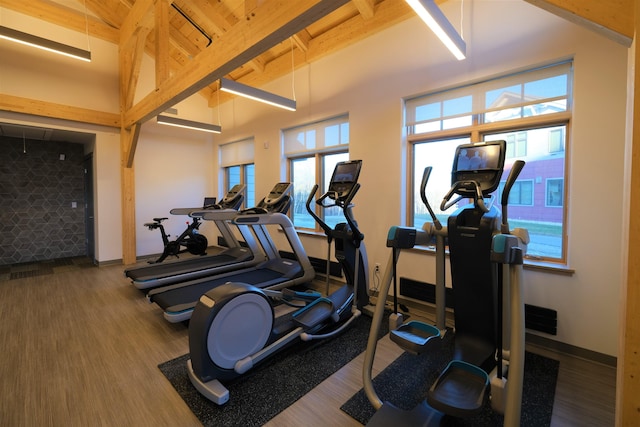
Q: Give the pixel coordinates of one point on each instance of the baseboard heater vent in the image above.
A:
(318, 264)
(541, 319)
(423, 291)
(536, 318)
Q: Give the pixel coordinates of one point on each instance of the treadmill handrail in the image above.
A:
(263, 219)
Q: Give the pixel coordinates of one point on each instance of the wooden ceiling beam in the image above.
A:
(302, 39)
(274, 21)
(140, 15)
(218, 21)
(215, 19)
(351, 31)
(613, 19)
(130, 64)
(53, 110)
(163, 70)
(107, 10)
(365, 7)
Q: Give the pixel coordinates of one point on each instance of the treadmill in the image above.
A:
(277, 272)
(234, 257)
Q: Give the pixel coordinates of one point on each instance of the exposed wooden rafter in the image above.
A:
(352, 30)
(274, 21)
(612, 19)
(365, 7)
(360, 19)
(36, 107)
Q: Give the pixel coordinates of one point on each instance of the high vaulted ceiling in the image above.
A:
(178, 32)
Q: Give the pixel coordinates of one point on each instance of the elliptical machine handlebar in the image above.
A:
(511, 179)
(343, 203)
(423, 195)
(468, 185)
(323, 225)
(357, 235)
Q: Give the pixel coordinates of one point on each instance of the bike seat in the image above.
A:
(159, 219)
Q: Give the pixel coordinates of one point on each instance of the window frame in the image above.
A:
(250, 190)
(318, 154)
(518, 185)
(546, 192)
(239, 154)
(477, 130)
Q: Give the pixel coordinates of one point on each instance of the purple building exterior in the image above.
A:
(539, 191)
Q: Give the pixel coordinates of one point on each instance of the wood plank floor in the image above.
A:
(81, 345)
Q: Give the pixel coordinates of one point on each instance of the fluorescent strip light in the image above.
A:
(257, 94)
(45, 44)
(431, 14)
(188, 124)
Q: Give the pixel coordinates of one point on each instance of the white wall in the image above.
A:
(107, 199)
(56, 78)
(368, 81)
(173, 169)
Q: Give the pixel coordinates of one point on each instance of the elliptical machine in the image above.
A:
(486, 266)
(349, 246)
(236, 326)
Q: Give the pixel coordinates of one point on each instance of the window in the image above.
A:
(517, 145)
(531, 112)
(243, 174)
(236, 159)
(313, 150)
(556, 141)
(521, 193)
(555, 190)
(435, 153)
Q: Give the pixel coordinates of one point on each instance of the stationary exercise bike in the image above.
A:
(189, 241)
(486, 272)
(236, 326)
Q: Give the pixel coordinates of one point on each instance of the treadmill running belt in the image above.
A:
(185, 266)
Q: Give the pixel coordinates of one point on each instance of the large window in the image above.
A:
(313, 151)
(531, 111)
(236, 159)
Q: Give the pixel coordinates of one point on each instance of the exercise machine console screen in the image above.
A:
(480, 162)
(344, 178)
(278, 192)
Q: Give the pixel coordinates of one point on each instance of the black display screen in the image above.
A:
(481, 163)
(346, 172)
(474, 158)
(344, 178)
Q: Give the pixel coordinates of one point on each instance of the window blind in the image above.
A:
(237, 153)
(326, 135)
(541, 90)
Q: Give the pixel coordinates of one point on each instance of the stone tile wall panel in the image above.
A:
(37, 189)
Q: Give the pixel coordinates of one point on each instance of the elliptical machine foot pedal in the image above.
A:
(414, 336)
(420, 416)
(461, 390)
(314, 313)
